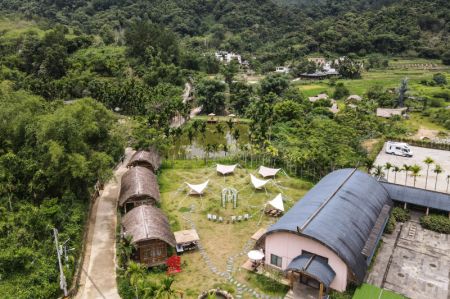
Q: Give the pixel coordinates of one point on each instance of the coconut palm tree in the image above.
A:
(388, 167)
(415, 172)
(378, 171)
(406, 169)
(437, 170)
(396, 169)
(427, 161)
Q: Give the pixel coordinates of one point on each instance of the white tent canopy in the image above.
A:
(268, 172)
(225, 169)
(197, 189)
(258, 183)
(277, 203)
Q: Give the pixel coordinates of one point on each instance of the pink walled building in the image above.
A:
(288, 246)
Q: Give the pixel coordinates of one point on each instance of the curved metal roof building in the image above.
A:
(346, 212)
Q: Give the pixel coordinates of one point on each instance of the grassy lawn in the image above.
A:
(416, 121)
(220, 240)
(367, 291)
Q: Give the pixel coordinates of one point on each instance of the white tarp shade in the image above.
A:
(277, 203)
(198, 189)
(268, 172)
(255, 255)
(226, 169)
(257, 183)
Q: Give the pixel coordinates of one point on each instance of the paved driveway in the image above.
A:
(439, 156)
(98, 279)
(414, 262)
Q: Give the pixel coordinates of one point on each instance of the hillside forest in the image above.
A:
(81, 80)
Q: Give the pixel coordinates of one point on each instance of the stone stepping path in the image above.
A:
(228, 274)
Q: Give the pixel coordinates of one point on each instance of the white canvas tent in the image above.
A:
(225, 169)
(197, 189)
(276, 203)
(258, 183)
(268, 172)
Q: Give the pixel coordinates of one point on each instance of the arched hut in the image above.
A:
(150, 232)
(139, 186)
(149, 159)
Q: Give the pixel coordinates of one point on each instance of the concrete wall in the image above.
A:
(289, 246)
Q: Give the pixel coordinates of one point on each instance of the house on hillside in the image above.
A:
(322, 96)
(227, 57)
(282, 70)
(139, 186)
(389, 112)
(150, 233)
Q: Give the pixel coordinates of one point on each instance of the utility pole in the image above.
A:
(62, 278)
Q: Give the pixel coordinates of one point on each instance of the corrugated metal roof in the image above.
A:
(340, 212)
(420, 197)
(315, 266)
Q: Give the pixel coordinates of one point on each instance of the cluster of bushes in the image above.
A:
(438, 80)
(437, 223)
(398, 215)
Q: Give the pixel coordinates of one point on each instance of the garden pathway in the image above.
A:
(241, 288)
(98, 278)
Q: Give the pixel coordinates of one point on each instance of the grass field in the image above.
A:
(220, 240)
(367, 291)
(387, 78)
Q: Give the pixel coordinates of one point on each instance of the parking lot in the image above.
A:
(415, 264)
(419, 154)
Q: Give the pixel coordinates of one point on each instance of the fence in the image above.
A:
(422, 143)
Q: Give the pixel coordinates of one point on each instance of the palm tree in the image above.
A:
(378, 171)
(427, 161)
(369, 165)
(135, 273)
(437, 170)
(126, 248)
(388, 167)
(406, 168)
(230, 123)
(219, 128)
(415, 170)
(165, 290)
(396, 169)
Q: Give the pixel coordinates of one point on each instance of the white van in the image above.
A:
(399, 149)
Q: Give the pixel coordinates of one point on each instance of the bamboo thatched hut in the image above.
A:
(149, 159)
(151, 234)
(139, 186)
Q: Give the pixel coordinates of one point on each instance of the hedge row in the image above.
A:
(437, 223)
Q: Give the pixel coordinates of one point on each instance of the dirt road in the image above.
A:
(98, 278)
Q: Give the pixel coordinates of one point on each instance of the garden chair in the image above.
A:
(246, 217)
(220, 219)
(233, 219)
(209, 217)
(214, 217)
(239, 218)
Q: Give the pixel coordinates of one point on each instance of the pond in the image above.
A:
(218, 140)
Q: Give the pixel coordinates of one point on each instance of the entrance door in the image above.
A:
(311, 282)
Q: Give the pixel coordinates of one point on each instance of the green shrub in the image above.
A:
(437, 223)
(400, 215)
(390, 226)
